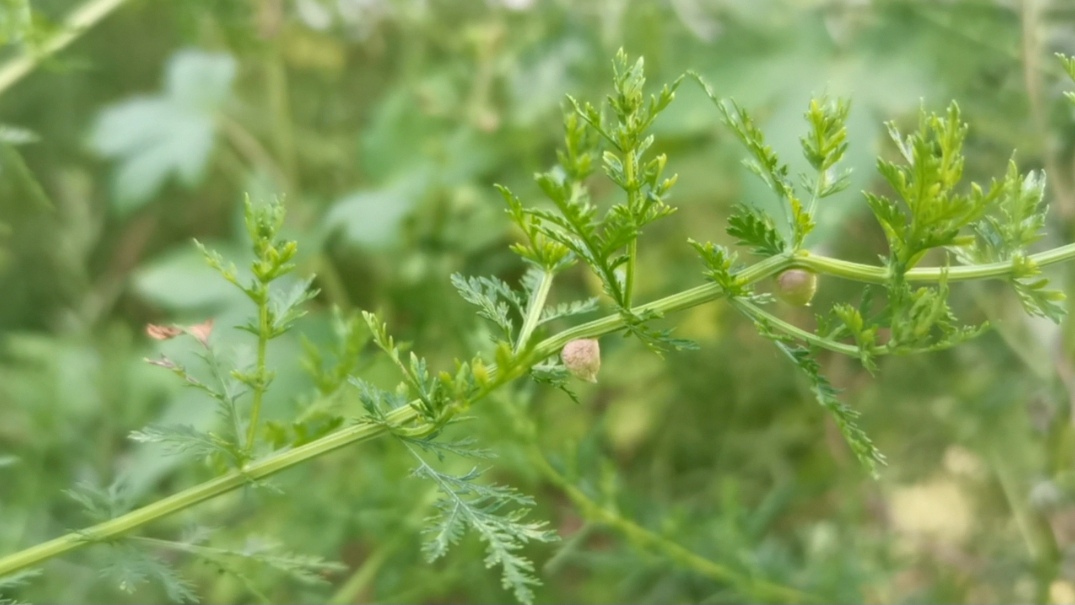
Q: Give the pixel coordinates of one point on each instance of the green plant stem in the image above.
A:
(815, 195)
(594, 512)
(17, 170)
(873, 274)
(1039, 540)
(253, 152)
(409, 414)
(260, 371)
(569, 547)
(629, 278)
(534, 308)
(276, 89)
(632, 203)
(753, 311)
(76, 24)
(330, 282)
(221, 376)
(354, 589)
(194, 495)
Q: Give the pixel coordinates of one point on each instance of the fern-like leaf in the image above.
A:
(754, 228)
(466, 504)
(719, 263)
(569, 309)
(1035, 297)
(845, 417)
(494, 299)
(185, 439)
(15, 580)
(130, 567)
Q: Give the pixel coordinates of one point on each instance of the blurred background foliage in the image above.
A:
(384, 124)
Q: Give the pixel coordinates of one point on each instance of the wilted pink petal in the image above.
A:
(157, 332)
(202, 331)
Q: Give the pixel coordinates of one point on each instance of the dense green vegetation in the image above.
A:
(360, 174)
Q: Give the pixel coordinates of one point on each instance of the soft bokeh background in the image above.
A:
(385, 124)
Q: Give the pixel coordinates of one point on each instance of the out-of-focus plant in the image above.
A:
(968, 232)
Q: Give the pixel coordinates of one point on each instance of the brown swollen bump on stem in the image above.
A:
(582, 357)
(796, 287)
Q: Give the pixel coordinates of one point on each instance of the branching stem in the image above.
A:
(409, 414)
(534, 307)
(630, 161)
(754, 312)
(873, 274)
(260, 370)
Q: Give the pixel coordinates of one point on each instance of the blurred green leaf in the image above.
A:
(170, 134)
(372, 219)
(16, 20)
(180, 280)
(14, 135)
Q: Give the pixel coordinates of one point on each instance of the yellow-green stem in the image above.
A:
(534, 307)
(753, 311)
(276, 86)
(632, 248)
(252, 151)
(629, 278)
(879, 275)
(197, 494)
(77, 23)
(260, 371)
(406, 415)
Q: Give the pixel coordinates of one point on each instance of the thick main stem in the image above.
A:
(354, 434)
(194, 495)
(406, 415)
(873, 274)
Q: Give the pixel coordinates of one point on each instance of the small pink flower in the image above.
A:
(582, 358)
